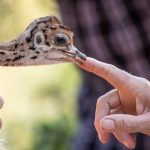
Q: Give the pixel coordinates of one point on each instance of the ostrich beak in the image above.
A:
(77, 53)
(69, 54)
(72, 53)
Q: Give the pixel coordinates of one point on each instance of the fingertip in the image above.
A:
(104, 137)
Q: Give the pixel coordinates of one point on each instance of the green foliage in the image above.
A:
(52, 136)
(28, 114)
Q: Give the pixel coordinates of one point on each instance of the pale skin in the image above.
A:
(126, 109)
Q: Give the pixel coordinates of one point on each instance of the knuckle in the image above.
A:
(104, 99)
(144, 86)
(143, 81)
(126, 124)
(121, 123)
(100, 101)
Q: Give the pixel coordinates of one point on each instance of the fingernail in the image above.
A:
(108, 125)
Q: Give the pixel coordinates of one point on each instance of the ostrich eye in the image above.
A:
(61, 39)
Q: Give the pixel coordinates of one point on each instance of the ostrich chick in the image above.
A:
(45, 41)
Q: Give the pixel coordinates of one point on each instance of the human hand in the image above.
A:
(124, 110)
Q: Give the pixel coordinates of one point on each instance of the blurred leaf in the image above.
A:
(52, 136)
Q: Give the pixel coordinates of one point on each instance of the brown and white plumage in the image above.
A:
(45, 41)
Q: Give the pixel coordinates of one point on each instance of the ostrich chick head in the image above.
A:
(45, 41)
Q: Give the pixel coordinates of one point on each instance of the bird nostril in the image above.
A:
(77, 51)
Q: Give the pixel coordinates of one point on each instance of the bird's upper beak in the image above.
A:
(73, 53)
(77, 53)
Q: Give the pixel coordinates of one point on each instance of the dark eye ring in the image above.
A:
(61, 39)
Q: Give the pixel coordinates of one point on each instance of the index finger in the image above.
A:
(115, 76)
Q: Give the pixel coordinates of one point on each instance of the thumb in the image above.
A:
(126, 123)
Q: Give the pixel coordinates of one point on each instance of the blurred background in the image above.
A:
(53, 107)
(39, 111)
